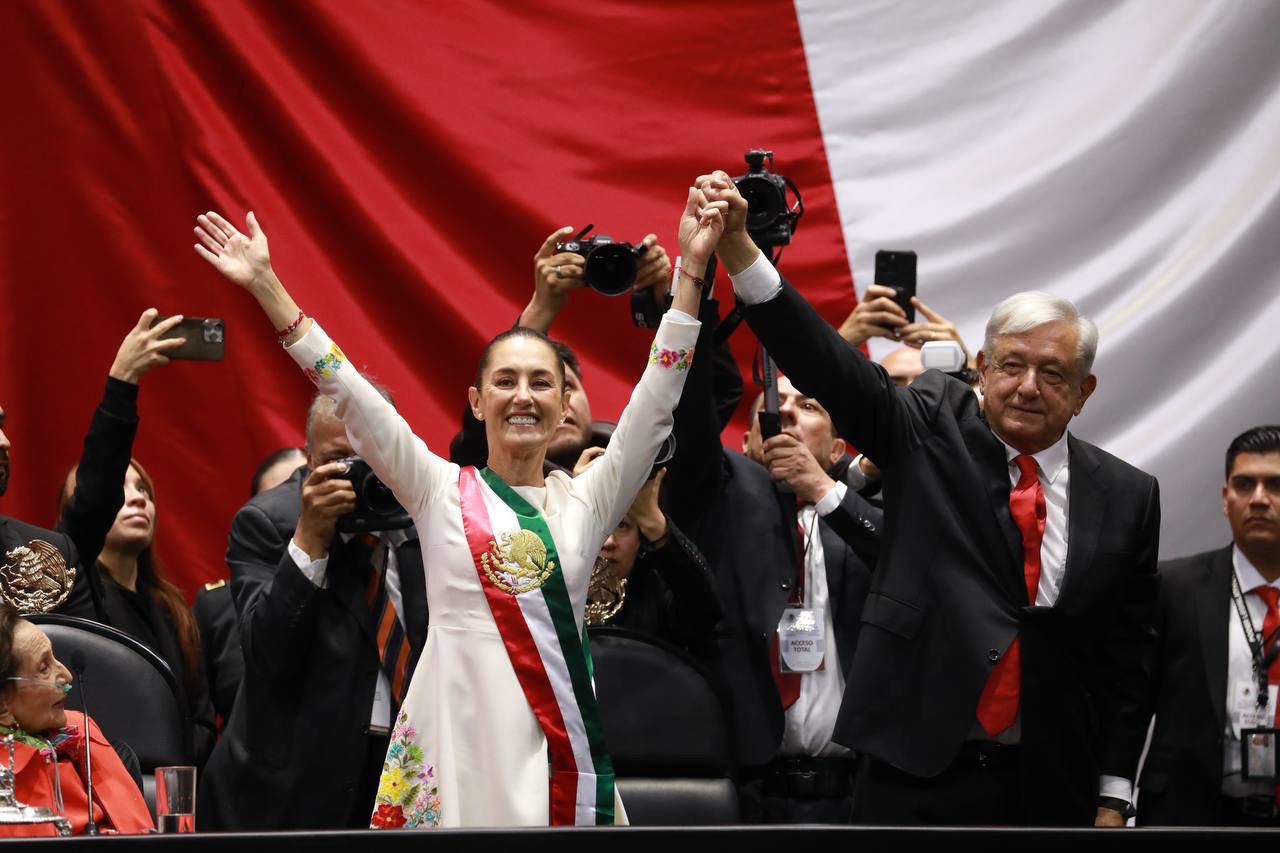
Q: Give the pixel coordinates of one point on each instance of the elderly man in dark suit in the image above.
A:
(1206, 686)
(1003, 657)
(331, 626)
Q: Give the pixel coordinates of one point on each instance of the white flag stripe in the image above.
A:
(1124, 154)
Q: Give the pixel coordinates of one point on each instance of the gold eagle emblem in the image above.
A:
(35, 578)
(517, 562)
(606, 593)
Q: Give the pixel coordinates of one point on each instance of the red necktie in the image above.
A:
(998, 705)
(1270, 625)
(789, 682)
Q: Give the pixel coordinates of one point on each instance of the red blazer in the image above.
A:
(118, 804)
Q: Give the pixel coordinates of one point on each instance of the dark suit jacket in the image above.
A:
(293, 753)
(215, 613)
(949, 596)
(1182, 776)
(730, 508)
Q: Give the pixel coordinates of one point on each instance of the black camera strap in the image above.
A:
(1262, 656)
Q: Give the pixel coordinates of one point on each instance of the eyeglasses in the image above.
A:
(63, 687)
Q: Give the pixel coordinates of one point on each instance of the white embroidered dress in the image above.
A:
(467, 750)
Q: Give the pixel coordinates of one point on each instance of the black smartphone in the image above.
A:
(898, 270)
(205, 338)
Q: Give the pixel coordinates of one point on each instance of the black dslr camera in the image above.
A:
(610, 266)
(770, 220)
(376, 507)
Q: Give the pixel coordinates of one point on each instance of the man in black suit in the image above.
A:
(808, 778)
(998, 677)
(214, 610)
(308, 733)
(729, 505)
(1205, 684)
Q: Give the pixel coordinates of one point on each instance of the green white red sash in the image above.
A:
(521, 576)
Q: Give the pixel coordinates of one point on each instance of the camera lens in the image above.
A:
(611, 269)
(378, 496)
(765, 201)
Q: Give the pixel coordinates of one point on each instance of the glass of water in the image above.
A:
(176, 799)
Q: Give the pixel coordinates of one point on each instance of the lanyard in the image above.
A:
(804, 541)
(1261, 660)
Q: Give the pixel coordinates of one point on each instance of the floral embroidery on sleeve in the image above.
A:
(672, 359)
(408, 795)
(328, 364)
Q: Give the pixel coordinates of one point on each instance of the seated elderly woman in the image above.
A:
(48, 755)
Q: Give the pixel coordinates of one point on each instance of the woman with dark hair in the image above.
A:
(126, 587)
(48, 752)
(499, 726)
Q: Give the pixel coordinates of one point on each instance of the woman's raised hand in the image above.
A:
(245, 260)
(701, 225)
(145, 347)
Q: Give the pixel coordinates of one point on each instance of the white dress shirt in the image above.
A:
(1055, 481)
(1240, 669)
(811, 720)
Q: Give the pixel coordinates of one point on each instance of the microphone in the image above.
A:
(78, 665)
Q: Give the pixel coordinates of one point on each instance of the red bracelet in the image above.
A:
(293, 327)
(700, 282)
(681, 271)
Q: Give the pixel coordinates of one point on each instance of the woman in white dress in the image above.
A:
(499, 725)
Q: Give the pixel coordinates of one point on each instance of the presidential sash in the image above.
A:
(520, 573)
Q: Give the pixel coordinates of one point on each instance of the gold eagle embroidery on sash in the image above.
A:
(519, 564)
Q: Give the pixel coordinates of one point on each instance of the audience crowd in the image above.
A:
(922, 601)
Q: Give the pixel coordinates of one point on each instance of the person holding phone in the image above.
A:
(1000, 676)
(107, 505)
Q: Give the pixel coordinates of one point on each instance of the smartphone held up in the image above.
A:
(897, 269)
(205, 337)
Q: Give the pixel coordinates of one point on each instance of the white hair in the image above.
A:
(1024, 311)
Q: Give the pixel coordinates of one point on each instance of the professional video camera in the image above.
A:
(376, 507)
(610, 266)
(770, 220)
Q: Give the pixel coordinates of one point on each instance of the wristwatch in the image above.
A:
(1126, 809)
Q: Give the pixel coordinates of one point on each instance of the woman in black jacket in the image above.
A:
(107, 506)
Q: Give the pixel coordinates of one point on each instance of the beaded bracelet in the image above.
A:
(283, 336)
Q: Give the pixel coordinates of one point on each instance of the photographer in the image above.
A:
(555, 276)
(879, 316)
(728, 504)
(309, 730)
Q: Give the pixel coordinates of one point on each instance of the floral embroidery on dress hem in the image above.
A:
(408, 794)
(677, 359)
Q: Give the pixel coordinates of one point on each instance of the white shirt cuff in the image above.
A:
(832, 499)
(314, 570)
(758, 283)
(677, 314)
(1116, 786)
(855, 476)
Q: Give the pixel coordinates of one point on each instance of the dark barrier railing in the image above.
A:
(825, 839)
